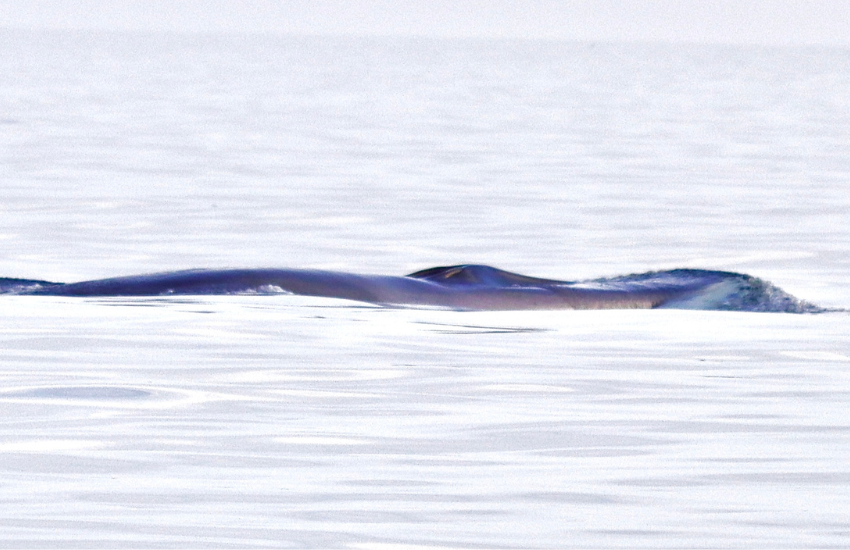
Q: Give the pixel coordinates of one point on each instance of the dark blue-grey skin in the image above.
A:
(464, 287)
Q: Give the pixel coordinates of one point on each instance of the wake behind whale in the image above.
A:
(463, 287)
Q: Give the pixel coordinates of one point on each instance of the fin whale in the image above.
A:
(464, 287)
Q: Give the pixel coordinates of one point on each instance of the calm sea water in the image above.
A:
(284, 421)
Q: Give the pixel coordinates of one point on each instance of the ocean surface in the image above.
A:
(297, 422)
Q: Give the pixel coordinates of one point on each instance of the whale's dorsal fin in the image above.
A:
(478, 275)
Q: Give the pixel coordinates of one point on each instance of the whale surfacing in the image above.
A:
(463, 287)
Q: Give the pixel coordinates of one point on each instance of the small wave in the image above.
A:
(717, 290)
(263, 290)
(21, 286)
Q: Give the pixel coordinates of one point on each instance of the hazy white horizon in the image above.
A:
(769, 22)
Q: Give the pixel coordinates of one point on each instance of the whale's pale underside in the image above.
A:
(464, 287)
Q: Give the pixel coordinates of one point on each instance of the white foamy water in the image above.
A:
(284, 421)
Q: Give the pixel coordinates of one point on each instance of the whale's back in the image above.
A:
(477, 287)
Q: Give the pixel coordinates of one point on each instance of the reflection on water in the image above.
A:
(308, 425)
(93, 393)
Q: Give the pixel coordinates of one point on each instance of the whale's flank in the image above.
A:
(468, 287)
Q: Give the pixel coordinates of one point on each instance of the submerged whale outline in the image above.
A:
(463, 287)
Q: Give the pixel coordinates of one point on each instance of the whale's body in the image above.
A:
(465, 287)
